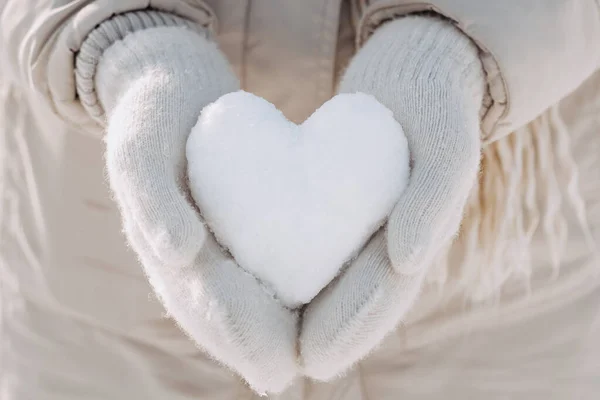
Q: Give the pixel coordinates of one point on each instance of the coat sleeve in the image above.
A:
(39, 40)
(534, 52)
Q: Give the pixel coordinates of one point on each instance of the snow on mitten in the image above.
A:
(429, 74)
(152, 73)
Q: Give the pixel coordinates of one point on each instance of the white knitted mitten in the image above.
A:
(429, 74)
(152, 74)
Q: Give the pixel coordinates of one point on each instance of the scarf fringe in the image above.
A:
(526, 179)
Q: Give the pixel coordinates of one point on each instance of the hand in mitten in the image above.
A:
(152, 84)
(428, 73)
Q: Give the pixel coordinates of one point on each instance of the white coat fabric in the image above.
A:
(79, 320)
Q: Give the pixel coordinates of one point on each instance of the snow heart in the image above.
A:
(293, 203)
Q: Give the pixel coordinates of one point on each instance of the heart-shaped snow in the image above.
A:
(293, 203)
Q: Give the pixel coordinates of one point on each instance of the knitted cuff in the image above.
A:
(107, 33)
(416, 50)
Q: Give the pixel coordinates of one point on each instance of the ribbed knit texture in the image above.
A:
(152, 84)
(429, 74)
(103, 37)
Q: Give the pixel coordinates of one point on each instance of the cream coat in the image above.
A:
(78, 317)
